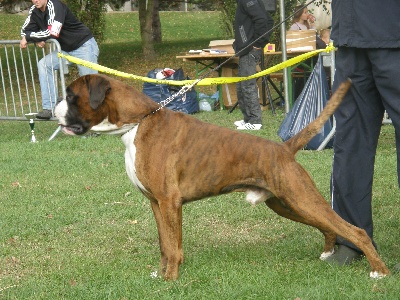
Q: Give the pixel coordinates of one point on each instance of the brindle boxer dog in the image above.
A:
(168, 157)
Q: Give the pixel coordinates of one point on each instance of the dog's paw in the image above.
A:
(376, 275)
(154, 274)
(325, 255)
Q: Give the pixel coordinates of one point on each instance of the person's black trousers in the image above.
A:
(375, 74)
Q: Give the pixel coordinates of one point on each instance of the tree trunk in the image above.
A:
(156, 22)
(146, 9)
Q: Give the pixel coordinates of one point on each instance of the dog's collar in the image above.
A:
(134, 127)
(105, 127)
(151, 113)
(109, 128)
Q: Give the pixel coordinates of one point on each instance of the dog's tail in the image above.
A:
(307, 133)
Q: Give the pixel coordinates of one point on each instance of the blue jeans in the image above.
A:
(89, 51)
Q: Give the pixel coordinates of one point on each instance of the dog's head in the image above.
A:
(79, 111)
(101, 104)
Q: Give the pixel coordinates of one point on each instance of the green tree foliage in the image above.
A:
(116, 4)
(10, 5)
(92, 14)
(171, 5)
(228, 9)
(324, 4)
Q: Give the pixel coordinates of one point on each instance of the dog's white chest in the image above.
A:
(130, 157)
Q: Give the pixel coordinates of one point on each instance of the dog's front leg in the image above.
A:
(161, 235)
(169, 223)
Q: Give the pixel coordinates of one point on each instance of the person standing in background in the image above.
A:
(52, 19)
(252, 30)
(367, 36)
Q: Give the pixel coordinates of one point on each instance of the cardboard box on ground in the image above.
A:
(229, 95)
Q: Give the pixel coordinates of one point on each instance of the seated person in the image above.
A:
(323, 38)
(302, 19)
(325, 35)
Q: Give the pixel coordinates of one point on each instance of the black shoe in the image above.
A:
(45, 114)
(344, 256)
(396, 269)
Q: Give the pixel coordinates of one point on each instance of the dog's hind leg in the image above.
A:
(355, 235)
(359, 238)
(320, 215)
(169, 224)
(281, 209)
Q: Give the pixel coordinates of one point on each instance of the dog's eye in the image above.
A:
(70, 98)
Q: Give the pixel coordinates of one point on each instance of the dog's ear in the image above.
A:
(98, 88)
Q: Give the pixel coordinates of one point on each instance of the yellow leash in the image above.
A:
(204, 82)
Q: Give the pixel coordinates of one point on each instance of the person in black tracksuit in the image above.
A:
(52, 19)
(367, 34)
(252, 25)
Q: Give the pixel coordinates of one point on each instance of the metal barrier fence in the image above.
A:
(20, 88)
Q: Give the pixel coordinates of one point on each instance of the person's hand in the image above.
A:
(41, 44)
(311, 19)
(23, 43)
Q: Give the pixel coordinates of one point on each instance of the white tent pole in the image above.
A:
(284, 56)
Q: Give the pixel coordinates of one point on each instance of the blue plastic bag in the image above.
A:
(307, 107)
(159, 92)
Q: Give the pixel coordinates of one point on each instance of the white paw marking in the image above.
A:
(325, 255)
(376, 275)
(154, 274)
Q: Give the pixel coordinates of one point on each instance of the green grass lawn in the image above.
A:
(72, 226)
